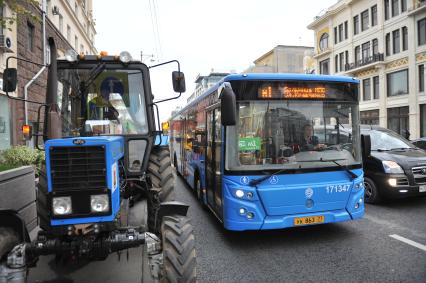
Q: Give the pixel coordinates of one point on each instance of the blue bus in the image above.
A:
(271, 151)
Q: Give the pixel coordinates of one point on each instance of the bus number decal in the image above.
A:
(337, 188)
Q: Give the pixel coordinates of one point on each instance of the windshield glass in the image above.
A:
(293, 134)
(101, 102)
(387, 140)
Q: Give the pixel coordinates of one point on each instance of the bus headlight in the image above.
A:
(62, 205)
(99, 203)
(239, 193)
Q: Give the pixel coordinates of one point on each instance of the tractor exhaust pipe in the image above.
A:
(52, 120)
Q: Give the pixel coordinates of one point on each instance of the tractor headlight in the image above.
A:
(99, 203)
(62, 205)
(125, 57)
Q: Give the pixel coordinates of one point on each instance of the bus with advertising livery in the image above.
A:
(271, 151)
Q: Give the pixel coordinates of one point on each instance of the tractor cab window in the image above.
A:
(112, 103)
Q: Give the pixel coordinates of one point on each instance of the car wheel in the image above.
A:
(372, 194)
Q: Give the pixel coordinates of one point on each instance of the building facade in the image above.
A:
(282, 59)
(383, 44)
(26, 37)
(203, 83)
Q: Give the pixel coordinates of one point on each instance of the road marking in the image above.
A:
(408, 241)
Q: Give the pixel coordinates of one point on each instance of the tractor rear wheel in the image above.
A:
(8, 239)
(178, 242)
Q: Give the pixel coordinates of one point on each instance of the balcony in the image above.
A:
(418, 7)
(364, 63)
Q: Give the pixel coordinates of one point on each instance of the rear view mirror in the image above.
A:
(228, 107)
(365, 146)
(178, 81)
(9, 80)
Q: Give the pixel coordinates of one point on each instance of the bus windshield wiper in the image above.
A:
(261, 179)
(351, 174)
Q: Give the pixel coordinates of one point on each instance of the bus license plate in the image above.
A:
(309, 220)
(422, 189)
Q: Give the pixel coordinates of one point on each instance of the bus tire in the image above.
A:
(8, 239)
(197, 188)
(161, 173)
(179, 259)
(372, 194)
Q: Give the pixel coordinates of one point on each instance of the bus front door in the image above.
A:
(213, 162)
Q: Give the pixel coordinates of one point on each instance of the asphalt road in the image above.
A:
(359, 251)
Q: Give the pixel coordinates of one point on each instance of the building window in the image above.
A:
(421, 78)
(346, 29)
(423, 120)
(76, 43)
(374, 15)
(387, 44)
(323, 44)
(364, 20)
(356, 24)
(404, 38)
(421, 31)
(336, 64)
(375, 46)
(346, 57)
(397, 83)
(365, 50)
(376, 89)
(324, 67)
(370, 117)
(30, 36)
(4, 123)
(398, 119)
(403, 5)
(340, 32)
(357, 54)
(68, 33)
(396, 41)
(335, 35)
(61, 24)
(341, 61)
(386, 9)
(395, 8)
(366, 89)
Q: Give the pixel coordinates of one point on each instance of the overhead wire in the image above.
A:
(155, 30)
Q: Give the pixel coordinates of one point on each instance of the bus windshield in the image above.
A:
(103, 102)
(293, 134)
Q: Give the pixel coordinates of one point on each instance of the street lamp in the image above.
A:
(147, 56)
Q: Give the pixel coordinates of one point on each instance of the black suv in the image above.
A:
(396, 168)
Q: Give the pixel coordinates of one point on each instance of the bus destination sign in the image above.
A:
(292, 92)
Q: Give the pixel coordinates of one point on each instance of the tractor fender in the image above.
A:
(10, 218)
(170, 208)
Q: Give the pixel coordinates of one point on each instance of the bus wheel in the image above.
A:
(8, 239)
(372, 194)
(179, 262)
(197, 186)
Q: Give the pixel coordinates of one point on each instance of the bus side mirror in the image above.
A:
(9, 80)
(178, 81)
(228, 107)
(365, 146)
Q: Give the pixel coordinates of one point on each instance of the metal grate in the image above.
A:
(78, 168)
(419, 174)
(402, 182)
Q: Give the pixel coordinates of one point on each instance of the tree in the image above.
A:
(18, 7)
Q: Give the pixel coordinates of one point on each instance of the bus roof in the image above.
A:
(271, 77)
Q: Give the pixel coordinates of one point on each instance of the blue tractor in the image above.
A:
(107, 182)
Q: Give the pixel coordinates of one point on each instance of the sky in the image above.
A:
(223, 35)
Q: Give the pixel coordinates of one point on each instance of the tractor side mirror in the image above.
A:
(178, 81)
(365, 146)
(228, 107)
(10, 80)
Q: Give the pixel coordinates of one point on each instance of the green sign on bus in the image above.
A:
(249, 144)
